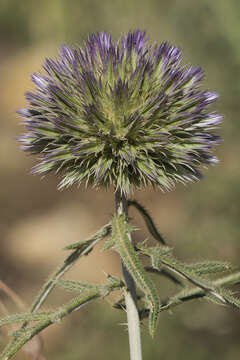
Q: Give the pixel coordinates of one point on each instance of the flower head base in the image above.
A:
(124, 113)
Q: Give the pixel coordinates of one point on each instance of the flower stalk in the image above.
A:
(130, 295)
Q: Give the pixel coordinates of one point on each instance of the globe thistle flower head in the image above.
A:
(123, 112)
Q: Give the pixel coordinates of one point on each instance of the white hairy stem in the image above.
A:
(134, 333)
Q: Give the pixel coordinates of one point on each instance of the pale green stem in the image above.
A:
(134, 333)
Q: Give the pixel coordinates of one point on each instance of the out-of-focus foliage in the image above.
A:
(201, 220)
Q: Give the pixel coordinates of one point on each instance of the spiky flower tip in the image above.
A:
(123, 112)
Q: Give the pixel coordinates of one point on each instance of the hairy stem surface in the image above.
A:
(130, 294)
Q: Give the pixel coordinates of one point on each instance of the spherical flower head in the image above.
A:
(123, 112)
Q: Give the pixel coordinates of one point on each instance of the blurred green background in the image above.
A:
(200, 220)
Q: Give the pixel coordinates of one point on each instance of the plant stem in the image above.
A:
(130, 294)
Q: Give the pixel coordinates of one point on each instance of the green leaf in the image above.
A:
(81, 249)
(162, 256)
(109, 243)
(120, 232)
(114, 281)
(208, 267)
(76, 286)
(229, 297)
(24, 317)
(22, 335)
(82, 245)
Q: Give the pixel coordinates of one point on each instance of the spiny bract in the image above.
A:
(126, 113)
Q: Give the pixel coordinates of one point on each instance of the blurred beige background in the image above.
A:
(200, 220)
